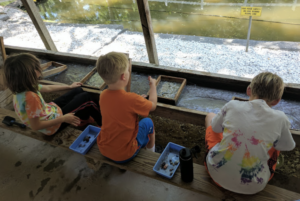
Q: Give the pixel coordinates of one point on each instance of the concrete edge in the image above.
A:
(272, 45)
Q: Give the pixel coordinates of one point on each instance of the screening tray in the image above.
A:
(81, 144)
(170, 154)
(162, 82)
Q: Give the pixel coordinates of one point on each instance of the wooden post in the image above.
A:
(128, 87)
(39, 24)
(2, 59)
(2, 52)
(249, 33)
(145, 17)
(6, 96)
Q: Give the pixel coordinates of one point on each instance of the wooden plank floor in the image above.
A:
(145, 161)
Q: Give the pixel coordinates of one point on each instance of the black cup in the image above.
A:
(186, 165)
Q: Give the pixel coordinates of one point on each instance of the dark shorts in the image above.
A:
(146, 128)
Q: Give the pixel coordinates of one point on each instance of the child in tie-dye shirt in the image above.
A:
(244, 139)
(22, 73)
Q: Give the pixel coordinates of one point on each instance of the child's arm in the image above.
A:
(286, 141)
(70, 118)
(152, 92)
(217, 121)
(53, 88)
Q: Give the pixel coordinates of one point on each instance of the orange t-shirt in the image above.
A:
(120, 124)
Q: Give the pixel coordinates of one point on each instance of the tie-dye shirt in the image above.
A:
(239, 163)
(30, 105)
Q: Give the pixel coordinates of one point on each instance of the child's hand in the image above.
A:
(152, 82)
(75, 85)
(70, 118)
(144, 96)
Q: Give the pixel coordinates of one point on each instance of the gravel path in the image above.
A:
(19, 31)
(92, 40)
(224, 59)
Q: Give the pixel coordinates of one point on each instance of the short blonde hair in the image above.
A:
(267, 86)
(111, 66)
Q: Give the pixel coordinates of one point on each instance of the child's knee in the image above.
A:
(77, 90)
(84, 96)
(150, 124)
(210, 115)
(147, 119)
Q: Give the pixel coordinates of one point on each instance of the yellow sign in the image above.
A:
(251, 11)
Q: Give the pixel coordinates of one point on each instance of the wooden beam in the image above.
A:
(128, 87)
(90, 74)
(2, 59)
(180, 114)
(39, 24)
(145, 17)
(143, 164)
(183, 84)
(6, 96)
(206, 79)
(2, 83)
(2, 52)
(57, 64)
(44, 66)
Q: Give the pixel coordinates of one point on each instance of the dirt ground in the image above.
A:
(291, 165)
(187, 135)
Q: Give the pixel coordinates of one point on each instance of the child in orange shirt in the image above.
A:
(122, 135)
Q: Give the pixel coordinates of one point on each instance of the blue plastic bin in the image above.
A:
(170, 156)
(81, 146)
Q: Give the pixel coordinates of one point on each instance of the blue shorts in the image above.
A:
(145, 129)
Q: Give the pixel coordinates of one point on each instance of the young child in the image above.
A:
(122, 135)
(244, 139)
(21, 74)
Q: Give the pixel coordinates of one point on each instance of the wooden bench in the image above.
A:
(144, 163)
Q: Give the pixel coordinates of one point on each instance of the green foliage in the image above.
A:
(185, 19)
(5, 3)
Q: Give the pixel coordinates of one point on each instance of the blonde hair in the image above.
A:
(20, 73)
(267, 86)
(111, 66)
